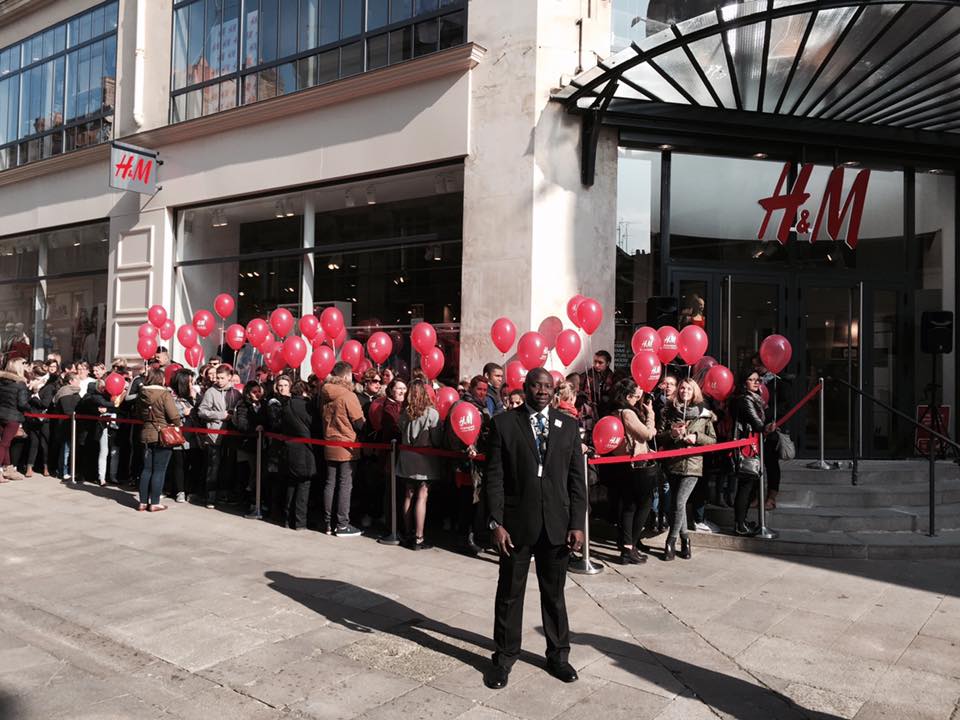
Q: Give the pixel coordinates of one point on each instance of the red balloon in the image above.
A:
(267, 345)
(568, 346)
(309, 326)
(646, 369)
(319, 339)
(115, 384)
(193, 354)
(275, 360)
(446, 397)
(423, 337)
(362, 368)
(235, 336)
(550, 328)
(516, 373)
(775, 353)
(157, 315)
(352, 352)
(432, 361)
(692, 343)
(765, 394)
(168, 328)
(379, 347)
(558, 377)
(503, 332)
(607, 434)
(668, 343)
(702, 366)
(204, 322)
(331, 320)
(224, 305)
(294, 351)
(590, 315)
(147, 330)
(646, 338)
(572, 305)
(718, 383)
(341, 338)
(257, 330)
(532, 350)
(169, 371)
(466, 422)
(322, 361)
(281, 322)
(187, 335)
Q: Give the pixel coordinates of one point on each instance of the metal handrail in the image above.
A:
(931, 525)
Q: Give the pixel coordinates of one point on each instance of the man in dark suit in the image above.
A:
(537, 503)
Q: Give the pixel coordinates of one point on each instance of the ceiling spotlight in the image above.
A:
(936, 171)
(371, 196)
(219, 219)
(278, 209)
(348, 199)
(77, 244)
(850, 163)
(335, 262)
(437, 254)
(760, 156)
(666, 147)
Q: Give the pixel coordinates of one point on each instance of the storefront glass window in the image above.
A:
(57, 89)
(53, 293)
(276, 36)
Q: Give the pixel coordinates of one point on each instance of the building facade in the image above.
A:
(436, 160)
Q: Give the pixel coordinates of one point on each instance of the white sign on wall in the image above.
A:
(133, 168)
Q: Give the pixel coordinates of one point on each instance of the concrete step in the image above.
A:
(848, 519)
(811, 494)
(871, 473)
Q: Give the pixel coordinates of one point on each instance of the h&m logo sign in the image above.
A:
(833, 207)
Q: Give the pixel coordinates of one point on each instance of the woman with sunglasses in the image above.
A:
(748, 419)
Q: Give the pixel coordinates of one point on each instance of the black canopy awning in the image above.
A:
(890, 70)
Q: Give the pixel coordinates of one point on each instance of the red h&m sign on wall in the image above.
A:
(133, 168)
(831, 211)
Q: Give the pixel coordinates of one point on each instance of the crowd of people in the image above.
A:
(177, 446)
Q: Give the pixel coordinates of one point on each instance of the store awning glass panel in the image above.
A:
(876, 62)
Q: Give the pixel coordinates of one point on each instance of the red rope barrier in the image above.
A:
(679, 452)
(806, 398)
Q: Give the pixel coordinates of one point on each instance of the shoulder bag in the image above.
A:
(169, 436)
(746, 460)
(786, 450)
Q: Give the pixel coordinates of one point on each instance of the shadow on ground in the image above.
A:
(364, 611)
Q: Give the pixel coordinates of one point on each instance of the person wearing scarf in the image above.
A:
(687, 423)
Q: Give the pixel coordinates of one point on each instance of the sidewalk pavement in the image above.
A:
(110, 614)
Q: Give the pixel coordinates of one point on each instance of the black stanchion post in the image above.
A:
(73, 447)
(392, 538)
(932, 524)
(585, 566)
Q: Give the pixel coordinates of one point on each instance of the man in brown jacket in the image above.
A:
(342, 420)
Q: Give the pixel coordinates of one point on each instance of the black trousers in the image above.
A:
(636, 498)
(746, 490)
(298, 495)
(552, 561)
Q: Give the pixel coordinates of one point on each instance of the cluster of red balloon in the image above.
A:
(423, 337)
(534, 347)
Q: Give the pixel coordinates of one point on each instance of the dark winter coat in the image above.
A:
(155, 406)
(14, 397)
(749, 415)
(247, 417)
(88, 431)
(296, 418)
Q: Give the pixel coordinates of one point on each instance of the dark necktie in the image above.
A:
(541, 437)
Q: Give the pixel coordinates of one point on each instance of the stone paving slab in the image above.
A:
(108, 614)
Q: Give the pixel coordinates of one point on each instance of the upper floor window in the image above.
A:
(57, 88)
(234, 52)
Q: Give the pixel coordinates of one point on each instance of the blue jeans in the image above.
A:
(155, 461)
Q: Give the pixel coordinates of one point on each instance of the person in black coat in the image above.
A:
(90, 433)
(537, 502)
(38, 429)
(748, 419)
(14, 401)
(301, 463)
(249, 416)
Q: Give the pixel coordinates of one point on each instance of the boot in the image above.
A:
(743, 530)
(685, 548)
(11, 473)
(670, 550)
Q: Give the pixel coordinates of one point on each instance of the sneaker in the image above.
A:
(347, 531)
(181, 497)
(705, 527)
(328, 530)
(211, 502)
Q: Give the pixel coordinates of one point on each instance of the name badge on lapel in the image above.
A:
(557, 423)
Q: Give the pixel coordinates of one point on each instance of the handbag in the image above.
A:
(169, 436)
(786, 450)
(746, 460)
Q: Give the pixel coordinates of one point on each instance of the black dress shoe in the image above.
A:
(496, 678)
(563, 671)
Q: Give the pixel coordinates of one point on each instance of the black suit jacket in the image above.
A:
(519, 500)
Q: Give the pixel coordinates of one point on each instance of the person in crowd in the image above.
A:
(419, 426)
(478, 395)
(368, 482)
(771, 441)
(301, 464)
(387, 376)
(42, 389)
(92, 442)
(208, 377)
(342, 420)
(537, 504)
(181, 467)
(666, 393)
(157, 409)
(597, 383)
(83, 375)
(215, 362)
(636, 480)
(748, 419)
(688, 423)
(494, 374)
(249, 418)
(385, 412)
(14, 401)
(215, 410)
(514, 399)
(273, 414)
(566, 400)
(162, 356)
(65, 402)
